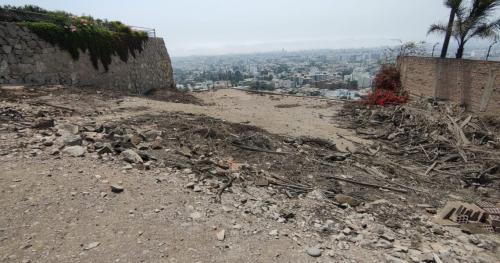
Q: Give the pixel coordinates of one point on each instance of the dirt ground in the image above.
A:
(306, 117)
(233, 177)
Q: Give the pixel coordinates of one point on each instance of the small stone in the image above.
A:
(151, 135)
(196, 215)
(273, 233)
(43, 124)
(346, 231)
(107, 148)
(221, 235)
(314, 251)
(131, 156)
(157, 210)
(103, 194)
(196, 188)
(117, 188)
(75, 151)
(345, 199)
(70, 140)
(91, 245)
(157, 144)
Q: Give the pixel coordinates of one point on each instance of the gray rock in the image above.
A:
(117, 188)
(131, 156)
(196, 215)
(68, 139)
(6, 49)
(382, 243)
(91, 245)
(106, 148)
(75, 151)
(68, 128)
(313, 251)
(151, 135)
(196, 188)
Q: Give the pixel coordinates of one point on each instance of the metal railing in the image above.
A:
(150, 31)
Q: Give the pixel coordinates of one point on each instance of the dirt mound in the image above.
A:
(173, 96)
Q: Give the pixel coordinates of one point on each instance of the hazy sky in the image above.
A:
(193, 27)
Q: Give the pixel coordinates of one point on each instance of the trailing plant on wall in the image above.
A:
(100, 38)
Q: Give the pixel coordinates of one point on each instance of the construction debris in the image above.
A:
(480, 217)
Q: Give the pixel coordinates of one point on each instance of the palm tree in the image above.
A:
(453, 5)
(470, 22)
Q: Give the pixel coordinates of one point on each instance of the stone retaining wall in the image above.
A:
(26, 59)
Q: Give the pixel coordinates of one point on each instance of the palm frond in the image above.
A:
(453, 4)
(437, 28)
(484, 31)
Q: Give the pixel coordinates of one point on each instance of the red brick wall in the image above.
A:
(458, 80)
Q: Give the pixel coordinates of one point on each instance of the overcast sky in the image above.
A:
(194, 27)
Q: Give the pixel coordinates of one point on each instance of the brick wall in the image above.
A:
(476, 84)
(27, 59)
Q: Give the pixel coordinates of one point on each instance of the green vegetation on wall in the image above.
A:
(100, 38)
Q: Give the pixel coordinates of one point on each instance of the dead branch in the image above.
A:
(367, 184)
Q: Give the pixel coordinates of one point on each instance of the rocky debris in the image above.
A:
(67, 128)
(196, 215)
(43, 124)
(345, 199)
(131, 156)
(91, 246)
(273, 233)
(314, 251)
(75, 151)
(221, 235)
(295, 190)
(104, 149)
(151, 135)
(115, 188)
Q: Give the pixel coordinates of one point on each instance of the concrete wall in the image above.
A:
(26, 59)
(476, 84)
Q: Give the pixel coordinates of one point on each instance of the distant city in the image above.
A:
(343, 73)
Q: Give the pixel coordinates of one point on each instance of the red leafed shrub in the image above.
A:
(387, 78)
(384, 97)
(387, 88)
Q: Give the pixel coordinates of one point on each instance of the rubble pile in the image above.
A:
(380, 197)
(434, 140)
